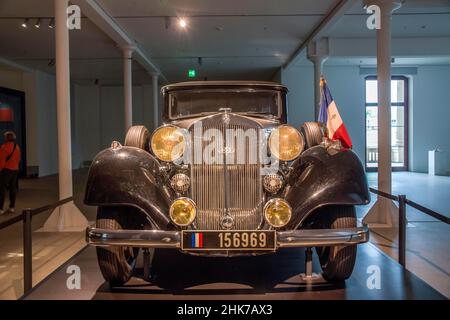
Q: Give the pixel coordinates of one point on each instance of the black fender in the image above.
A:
(319, 178)
(129, 176)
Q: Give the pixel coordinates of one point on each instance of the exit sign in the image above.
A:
(192, 73)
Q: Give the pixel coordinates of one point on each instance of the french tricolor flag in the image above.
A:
(197, 240)
(329, 115)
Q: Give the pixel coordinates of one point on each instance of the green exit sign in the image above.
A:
(192, 73)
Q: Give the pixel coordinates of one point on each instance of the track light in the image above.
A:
(51, 24)
(25, 23)
(38, 23)
(182, 23)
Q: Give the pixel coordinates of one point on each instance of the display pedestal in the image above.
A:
(383, 216)
(66, 218)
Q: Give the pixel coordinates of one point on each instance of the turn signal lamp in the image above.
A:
(168, 143)
(286, 143)
(183, 211)
(277, 212)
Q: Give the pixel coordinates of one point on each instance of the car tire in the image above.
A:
(312, 132)
(337, 262)
(138, 137)
(116, 263)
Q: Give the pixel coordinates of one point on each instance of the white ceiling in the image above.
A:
(236, 39)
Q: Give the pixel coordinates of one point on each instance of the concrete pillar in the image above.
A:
(128, 85)
(66, 217)
(384, 213)
(155, 95)
(318, 54)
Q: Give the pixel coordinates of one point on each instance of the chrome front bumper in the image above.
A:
(172, 239)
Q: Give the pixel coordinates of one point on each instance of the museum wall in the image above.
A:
(40, 105)
(429, 107)
(431, 116)
(99, 117)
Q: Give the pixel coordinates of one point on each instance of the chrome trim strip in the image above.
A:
(172, 239)
(323, 237)
(133, 238)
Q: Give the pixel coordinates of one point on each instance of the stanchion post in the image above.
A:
(402, 230)
(27, 252)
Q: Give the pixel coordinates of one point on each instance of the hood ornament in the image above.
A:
(226, 116)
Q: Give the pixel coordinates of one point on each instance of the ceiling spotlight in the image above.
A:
(200, 60)
(38, 23)
(182, 23)
(25, 23)
(51, 24)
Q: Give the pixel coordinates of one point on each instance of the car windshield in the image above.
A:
(186, 103)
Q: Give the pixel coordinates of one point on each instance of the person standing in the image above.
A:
(9, 166)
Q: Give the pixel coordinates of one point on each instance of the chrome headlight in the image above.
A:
(286, 143)
(168, 143)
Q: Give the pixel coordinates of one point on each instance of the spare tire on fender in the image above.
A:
(313, 133)
(139, 137)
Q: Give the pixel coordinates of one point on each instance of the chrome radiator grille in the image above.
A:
(227, 187)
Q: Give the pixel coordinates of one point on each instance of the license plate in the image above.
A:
(228, 240)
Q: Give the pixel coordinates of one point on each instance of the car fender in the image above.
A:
(320, 178)
(129, 176)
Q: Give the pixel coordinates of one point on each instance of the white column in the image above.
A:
(318, 54)
(128, 85)
(155, 95)
(66, 217)
(384, 213)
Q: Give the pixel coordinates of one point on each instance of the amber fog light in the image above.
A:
(277, 212)
(183, 211)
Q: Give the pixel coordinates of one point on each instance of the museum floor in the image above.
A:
(428, 241)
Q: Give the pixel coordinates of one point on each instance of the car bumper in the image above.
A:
(172, 239)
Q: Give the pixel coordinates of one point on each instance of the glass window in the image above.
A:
(399, 110)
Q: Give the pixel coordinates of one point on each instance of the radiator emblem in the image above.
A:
(227, 222)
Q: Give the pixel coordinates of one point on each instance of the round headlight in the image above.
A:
(183, 211)
(286, 143)
(277, 212)
(168, 143)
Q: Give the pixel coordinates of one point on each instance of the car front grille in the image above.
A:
(230, 187)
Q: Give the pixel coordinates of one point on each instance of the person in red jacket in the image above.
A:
(9, 166)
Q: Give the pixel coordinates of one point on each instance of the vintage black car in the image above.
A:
(226, 176)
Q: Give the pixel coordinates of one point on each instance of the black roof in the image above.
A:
(214, 84)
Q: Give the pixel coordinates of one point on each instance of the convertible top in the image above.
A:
(217, 84)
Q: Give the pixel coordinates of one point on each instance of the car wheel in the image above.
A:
(139, 137)
(116, 263)
(313, 134)
(337, 262)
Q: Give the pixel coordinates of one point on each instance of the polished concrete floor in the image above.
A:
(50, 249)
(268, 277)
(428, 241)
